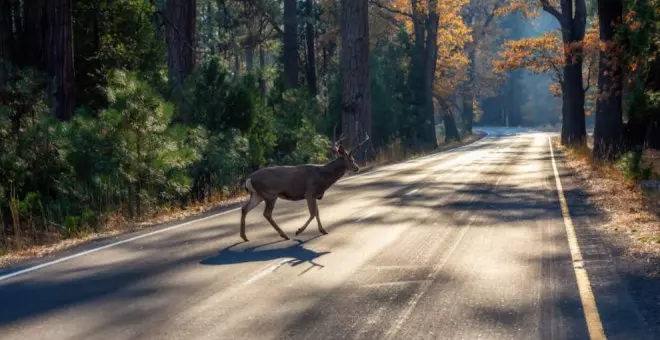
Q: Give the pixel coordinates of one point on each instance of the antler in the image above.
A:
(335, 142)
(366, 138)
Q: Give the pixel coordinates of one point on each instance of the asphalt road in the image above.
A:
(464, 244)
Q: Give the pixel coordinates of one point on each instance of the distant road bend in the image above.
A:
(466, 244)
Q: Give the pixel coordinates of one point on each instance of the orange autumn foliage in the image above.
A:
(548, 54)
(453, 35)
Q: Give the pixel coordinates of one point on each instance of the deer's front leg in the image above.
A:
(268, 214)
(313, 210)
(318, 220)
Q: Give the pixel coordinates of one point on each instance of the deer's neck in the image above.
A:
(333, 171)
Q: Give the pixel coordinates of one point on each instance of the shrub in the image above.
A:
(216, 102)
(630, 165)
(296, 115)
(130, 155)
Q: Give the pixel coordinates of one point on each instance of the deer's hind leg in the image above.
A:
(268, 214)
(254, 201)
(313, 212)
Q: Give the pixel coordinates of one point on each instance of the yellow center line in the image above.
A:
(591, 315)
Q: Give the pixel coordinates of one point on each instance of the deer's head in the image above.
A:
(347, 155)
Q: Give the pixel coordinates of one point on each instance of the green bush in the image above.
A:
(128, 158)
(296, 115)
(630, 164)
(223, 164)
(218, 103)
(132, 158)
(130, 155)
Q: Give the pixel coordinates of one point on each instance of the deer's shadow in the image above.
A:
(294, 255)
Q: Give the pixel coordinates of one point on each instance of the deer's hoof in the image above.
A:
(285, 237)
(298, 232)
(245, 238)
(323, 232)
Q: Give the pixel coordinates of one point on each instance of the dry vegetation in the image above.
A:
(633, 213)
(116, 224)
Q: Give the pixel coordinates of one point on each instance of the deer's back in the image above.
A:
(287, 182)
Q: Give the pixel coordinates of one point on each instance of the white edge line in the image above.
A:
(365, 216)
(159, 231)
(114, 244)
(269, 269)
(412, 192)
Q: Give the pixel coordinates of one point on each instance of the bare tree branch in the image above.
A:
(390, 19)
(490, 17)
(551, 9)
(275, 24)
(391, 10)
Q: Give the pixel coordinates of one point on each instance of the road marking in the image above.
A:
(591, 315)
(412, 192)
(365, 217)
(394, 283)
(433, 275)
(94, 250)
(265, 272)
(155, 232)
(426, 284)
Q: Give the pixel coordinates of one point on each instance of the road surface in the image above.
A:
(464, 244)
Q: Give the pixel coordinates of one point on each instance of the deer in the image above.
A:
(298, 182)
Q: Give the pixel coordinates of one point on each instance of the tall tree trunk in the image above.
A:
(180, 35)
(355, 89)
(451, 130)
(417, 83)
(609, 116)
(573, 124)
(6, 33)
(468, 112)
(262, 66)
(290, 44)
(249, 58)
(237, 65)
(448, 120)
(59, 56)
(208, 24)
(311, 54)
(427, 124)
(468, 96)
(573, 29)
(653, 133)
(653, 84)
(329, 50)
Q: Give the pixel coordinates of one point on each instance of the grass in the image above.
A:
(632, 211)
(116, 224)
